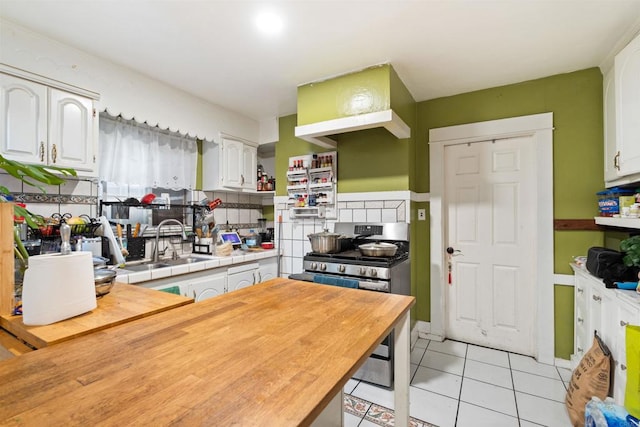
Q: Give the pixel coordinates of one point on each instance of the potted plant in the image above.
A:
(35, 176)
(631, 249)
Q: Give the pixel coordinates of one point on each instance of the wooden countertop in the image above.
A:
(123, 304)
(271, 354)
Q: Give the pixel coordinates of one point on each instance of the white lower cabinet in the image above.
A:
(242, 276)
(207, 287)
(206, 284)
(267, 270)
(607, 311)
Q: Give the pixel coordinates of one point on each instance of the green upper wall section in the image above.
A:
(351, 94)
(576, 102)
(368, 160)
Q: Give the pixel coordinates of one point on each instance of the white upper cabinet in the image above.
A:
(611, 156)
(24, 119)
(622, 157)
(627, 66)
(47, 126)
(229, 165)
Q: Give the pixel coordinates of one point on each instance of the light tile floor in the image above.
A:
(463, 385)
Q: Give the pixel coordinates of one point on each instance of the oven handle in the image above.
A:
(379, 286)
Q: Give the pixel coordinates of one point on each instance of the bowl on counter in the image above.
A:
(104, 280)
(266, 245)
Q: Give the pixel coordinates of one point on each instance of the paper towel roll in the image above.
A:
(57, 287)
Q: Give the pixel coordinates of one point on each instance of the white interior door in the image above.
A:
(490, 212)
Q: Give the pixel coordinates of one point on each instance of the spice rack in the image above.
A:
(311, 185)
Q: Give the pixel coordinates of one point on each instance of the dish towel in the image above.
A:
(172, 290)
(336, 281)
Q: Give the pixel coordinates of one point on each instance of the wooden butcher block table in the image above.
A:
(123, 304)
(274, 354)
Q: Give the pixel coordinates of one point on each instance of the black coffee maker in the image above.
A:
(266, 234)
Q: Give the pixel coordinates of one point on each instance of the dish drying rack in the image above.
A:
(204, 226)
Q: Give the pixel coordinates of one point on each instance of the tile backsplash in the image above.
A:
(75, 196)
(295, 244)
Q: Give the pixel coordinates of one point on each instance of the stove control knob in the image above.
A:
(314, 266)
(362, 271)
(341, 268)
(323, 267)
(374, 272)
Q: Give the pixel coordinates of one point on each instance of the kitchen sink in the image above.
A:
(149, 265)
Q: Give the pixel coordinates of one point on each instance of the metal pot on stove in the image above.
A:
(325, 242)
(378, 249)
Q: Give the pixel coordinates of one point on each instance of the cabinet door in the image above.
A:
(626, 315)
(268, 270)
(611, 152)
(627, 87)
(582, 336)
(208, 287)
(249, 168)
(70, 131)
(240, 280)
(601, 314)
(232, 163)
(23, 125)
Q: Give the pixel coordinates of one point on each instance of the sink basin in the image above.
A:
(185, 260)
(165, 263)
(146, 267)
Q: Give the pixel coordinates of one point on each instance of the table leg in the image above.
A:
(402, 344)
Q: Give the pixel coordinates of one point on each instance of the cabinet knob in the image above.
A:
(623, 323)
(623, 367)
(596, 298)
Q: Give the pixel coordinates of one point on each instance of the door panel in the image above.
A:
(489, 220)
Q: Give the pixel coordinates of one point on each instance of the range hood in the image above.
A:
(319, 133)
(365, 99)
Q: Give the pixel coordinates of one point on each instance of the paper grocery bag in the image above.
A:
(632, 392)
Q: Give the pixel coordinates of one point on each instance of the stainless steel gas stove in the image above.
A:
(382, 274)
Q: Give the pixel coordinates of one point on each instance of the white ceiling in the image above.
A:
(213, 50)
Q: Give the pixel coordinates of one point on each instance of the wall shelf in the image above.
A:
(618, 222)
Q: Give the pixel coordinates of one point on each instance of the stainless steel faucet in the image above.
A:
(156, 253)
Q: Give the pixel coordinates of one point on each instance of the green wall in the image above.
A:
(576, 102)
(373, 160)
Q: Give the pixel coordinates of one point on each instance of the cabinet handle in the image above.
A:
(580, 350)
(623, 323)
(42, 151)
(580, 290)
(596, 298)
(616, 161)
(580, 320)
(623, 367)
(242, 179)
(54, 153)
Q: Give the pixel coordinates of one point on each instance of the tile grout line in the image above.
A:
(513, 384)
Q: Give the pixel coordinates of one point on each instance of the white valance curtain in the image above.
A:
(133, 153)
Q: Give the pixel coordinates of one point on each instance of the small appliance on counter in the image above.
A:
(57, 287)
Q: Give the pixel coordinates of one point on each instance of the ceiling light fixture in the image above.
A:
(269, 23)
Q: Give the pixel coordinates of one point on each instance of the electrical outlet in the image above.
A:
(422, 214)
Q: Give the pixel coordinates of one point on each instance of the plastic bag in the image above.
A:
(605, 414)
